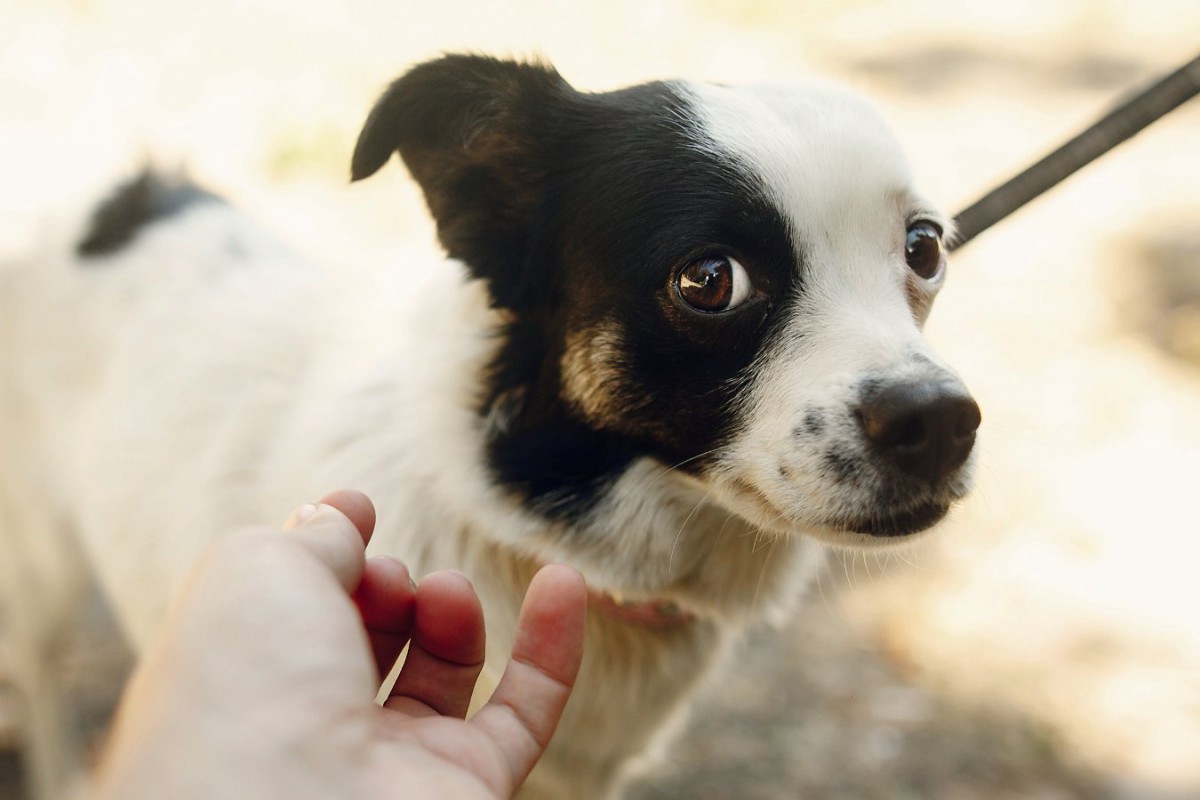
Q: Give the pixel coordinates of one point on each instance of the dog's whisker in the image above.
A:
(679, 533)
(757, 534)
(666, 471)
(821, 590)
(900, 557)
(762, 574)
(721, 531)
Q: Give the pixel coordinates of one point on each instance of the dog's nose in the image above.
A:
(926, 429)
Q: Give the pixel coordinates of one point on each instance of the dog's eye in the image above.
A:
(713, 283)
(923, 249)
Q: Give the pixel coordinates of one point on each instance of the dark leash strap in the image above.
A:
(1123, 122)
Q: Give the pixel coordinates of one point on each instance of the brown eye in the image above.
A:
(713, 283)
(923, 249)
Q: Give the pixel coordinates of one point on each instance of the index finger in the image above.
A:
(525, 709)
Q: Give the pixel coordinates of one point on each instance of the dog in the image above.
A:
(676, 343)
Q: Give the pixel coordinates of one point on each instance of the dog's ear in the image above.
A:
(468, 128)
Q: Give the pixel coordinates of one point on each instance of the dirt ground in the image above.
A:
(1046, 644)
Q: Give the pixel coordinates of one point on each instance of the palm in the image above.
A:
(442, 623)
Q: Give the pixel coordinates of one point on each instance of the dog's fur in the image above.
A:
(547, 394)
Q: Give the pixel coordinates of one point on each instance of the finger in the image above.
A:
(447, 650)
(332, 538)
(525, 709)
(386, 597)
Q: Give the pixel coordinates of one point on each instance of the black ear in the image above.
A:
(469, 129)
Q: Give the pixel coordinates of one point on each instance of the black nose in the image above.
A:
(925, 429)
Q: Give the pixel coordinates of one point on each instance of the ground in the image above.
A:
(1046, 644)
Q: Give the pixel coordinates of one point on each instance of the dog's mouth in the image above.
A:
(878, 521)
(888, 524)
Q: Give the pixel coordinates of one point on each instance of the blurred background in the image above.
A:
(1047, 644)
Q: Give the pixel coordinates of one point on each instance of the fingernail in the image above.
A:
(298, 516)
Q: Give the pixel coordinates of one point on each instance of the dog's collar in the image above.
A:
(650, 613)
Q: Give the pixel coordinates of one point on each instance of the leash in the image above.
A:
(1123, 122)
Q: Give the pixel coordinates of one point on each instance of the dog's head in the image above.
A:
(730, 281)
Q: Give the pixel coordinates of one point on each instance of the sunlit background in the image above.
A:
(1047, 644)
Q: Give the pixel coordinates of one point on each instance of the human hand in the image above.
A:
(263, 681)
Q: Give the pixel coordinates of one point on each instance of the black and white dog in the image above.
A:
(677, 344)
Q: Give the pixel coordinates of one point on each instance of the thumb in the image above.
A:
(329, 536)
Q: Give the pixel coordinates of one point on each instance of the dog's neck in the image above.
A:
(658, 544)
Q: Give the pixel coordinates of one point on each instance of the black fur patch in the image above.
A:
(133, 206)
(813, 424)
(578, 210)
